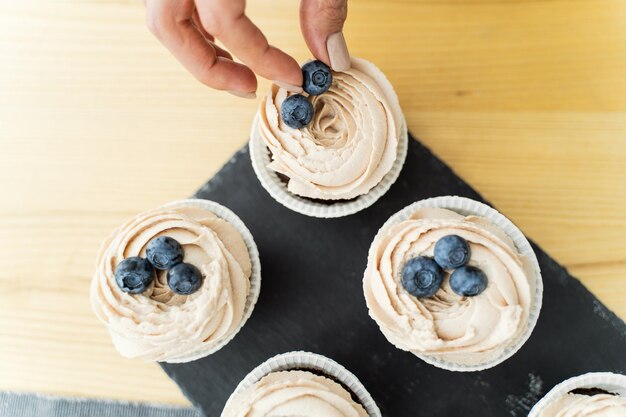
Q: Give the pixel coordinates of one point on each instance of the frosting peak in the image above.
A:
(350, 144)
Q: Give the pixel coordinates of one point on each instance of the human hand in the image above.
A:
(188, 28)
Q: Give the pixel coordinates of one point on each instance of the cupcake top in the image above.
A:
(294, 393)
(159, 324)
(350, 144)
(598, 405)
(468, 330)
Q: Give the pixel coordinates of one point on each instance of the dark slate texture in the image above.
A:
(311, 299)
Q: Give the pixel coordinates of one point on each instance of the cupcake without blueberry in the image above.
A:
(176, 283)
(595, 394)
(300, 384)
(337, 150)
(454, 282)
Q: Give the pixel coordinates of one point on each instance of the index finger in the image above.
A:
(171, 22)
(226, 20)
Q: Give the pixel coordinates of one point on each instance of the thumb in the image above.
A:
(321, 22)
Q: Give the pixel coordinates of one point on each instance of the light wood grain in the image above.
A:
(524, 99)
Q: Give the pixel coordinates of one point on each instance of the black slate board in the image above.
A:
(312, 299)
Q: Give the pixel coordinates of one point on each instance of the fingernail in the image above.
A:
(289, 87)
(338, 52)
(242, 95)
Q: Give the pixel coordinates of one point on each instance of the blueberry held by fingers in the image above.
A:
(468, 281)
(164, 252)
(317, 77)
(296, 111)
(184, 279)
(134, 275)
(452, 251)
(422, 277)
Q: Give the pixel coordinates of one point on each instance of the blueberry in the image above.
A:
(164, 252)
(422, 277)
(452, 252)
(296, 111)
(133, 275)
(317, 77)
(184, 279)
(468, 281)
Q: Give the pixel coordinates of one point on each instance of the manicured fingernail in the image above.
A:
(289, 87)
(243, 95)
(338, 52)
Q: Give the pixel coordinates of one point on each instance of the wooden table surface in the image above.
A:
(525, 99)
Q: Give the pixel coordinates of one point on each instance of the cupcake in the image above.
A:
(593, 394)
(176, 283)
(454, 282)
(344, 156)
(300, 384)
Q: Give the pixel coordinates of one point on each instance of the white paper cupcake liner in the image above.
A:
(255, 277)
(608, 381)
(260, 157)
(467, 206)
(315, 362)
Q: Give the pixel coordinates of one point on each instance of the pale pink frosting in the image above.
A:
(463, 330)
(294, 394)
(159, 325)
(349, 146)
(577, 405)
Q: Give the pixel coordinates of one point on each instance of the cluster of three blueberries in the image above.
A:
(422, 276)
(133, 275)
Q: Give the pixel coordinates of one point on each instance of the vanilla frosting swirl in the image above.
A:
(158, 324)
(464, 330)
(294, 394)
(577, 405)
(350, 144)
